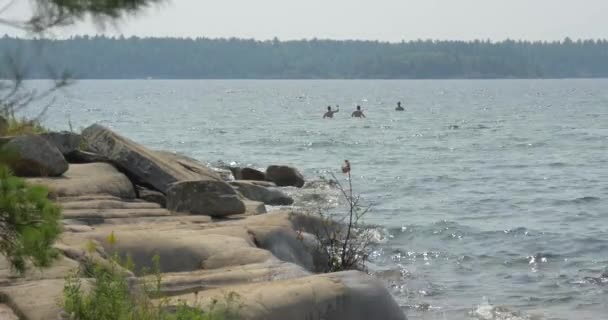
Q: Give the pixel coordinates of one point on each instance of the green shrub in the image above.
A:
(112, 298)
(29, 222)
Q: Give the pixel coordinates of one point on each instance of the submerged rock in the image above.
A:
(211, 198)
(33, 156)
(256, 192)
(285, 176)
(145, 167)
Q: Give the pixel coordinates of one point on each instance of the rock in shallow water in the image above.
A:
(252, 174)
(285, 176)
(211, 198)
(247, 174)
(33, 156)
(256, 192)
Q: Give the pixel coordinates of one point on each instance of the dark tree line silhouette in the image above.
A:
(202, 58)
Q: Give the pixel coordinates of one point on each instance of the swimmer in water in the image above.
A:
(399, 107)
(358, 113)
(330, 113)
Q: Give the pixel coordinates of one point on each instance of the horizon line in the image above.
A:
(275, 39)
(323, 79)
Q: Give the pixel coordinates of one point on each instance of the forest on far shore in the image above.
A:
(101, 57)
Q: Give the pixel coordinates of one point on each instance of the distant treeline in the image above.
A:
(202, 58)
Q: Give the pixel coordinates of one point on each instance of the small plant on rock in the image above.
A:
(23, 126)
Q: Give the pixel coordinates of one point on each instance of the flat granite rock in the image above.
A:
(35, 300)
(350, 295)
(6, 313)
(59, 269)
(89, 179)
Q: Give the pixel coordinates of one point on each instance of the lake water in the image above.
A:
(491, 196)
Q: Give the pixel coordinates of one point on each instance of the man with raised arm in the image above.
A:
(330, 113)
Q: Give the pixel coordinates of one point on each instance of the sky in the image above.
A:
(385, 20)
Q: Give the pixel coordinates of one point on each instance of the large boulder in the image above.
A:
(66, 142)
(211, 198)
(145, 167)
(80, 157)
(252, 174)
(256, 192)
(247, 174)
(285, 176)
(33, 156)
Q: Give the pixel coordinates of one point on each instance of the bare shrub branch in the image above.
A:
(343, 239)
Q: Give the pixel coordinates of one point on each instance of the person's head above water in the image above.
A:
(358, 107)
(399, 103)
(328, 108)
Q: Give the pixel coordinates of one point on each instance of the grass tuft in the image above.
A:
(18, 127)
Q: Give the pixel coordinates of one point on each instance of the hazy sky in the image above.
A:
(391, 20)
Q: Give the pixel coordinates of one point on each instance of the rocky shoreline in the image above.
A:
(213, 233)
